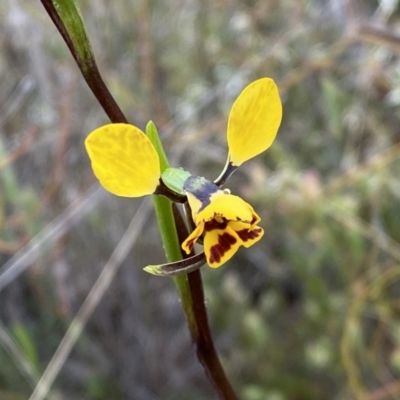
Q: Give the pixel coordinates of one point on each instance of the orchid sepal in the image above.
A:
(179, 267)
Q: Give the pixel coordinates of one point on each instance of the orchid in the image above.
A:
(126, 163)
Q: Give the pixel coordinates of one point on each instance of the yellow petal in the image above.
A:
(188, 244)
(254, 120)
(123, 160)
(220, 245)
(248, 234)
(229, 206)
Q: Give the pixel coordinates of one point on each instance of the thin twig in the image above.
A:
(51, 233)
(379, 36)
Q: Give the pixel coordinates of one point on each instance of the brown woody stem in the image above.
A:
(201, 335)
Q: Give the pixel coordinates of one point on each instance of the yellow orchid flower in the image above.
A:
(226, 221)
(127, 164)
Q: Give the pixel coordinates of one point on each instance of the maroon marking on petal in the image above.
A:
(190, 244)
(225, 242)
(213, 224)
(246, 235)
(253, 220)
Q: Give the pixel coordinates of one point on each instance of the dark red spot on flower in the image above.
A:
(246, 234)
(213, 224)
(190, 244)
(253, 220)
(225, 242)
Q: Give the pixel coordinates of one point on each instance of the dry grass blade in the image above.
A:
(92, 300)
(52, 232)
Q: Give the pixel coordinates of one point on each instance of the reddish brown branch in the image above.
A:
(205, 349)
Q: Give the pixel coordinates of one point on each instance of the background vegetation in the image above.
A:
(312, 311)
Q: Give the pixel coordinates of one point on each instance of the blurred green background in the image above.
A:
(312, 311)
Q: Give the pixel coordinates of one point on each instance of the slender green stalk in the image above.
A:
(169, 236)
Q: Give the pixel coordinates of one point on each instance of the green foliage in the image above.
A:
(71, 17)
(27, 343)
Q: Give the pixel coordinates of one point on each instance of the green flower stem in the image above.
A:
(67, 17)
(190, 287)
(169, 236)
(166, 224)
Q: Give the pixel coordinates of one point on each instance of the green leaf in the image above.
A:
(28, 346)
(68, 19)
(74, 30)
(169, 236)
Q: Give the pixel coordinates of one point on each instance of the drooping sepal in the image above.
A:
(179, 267)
